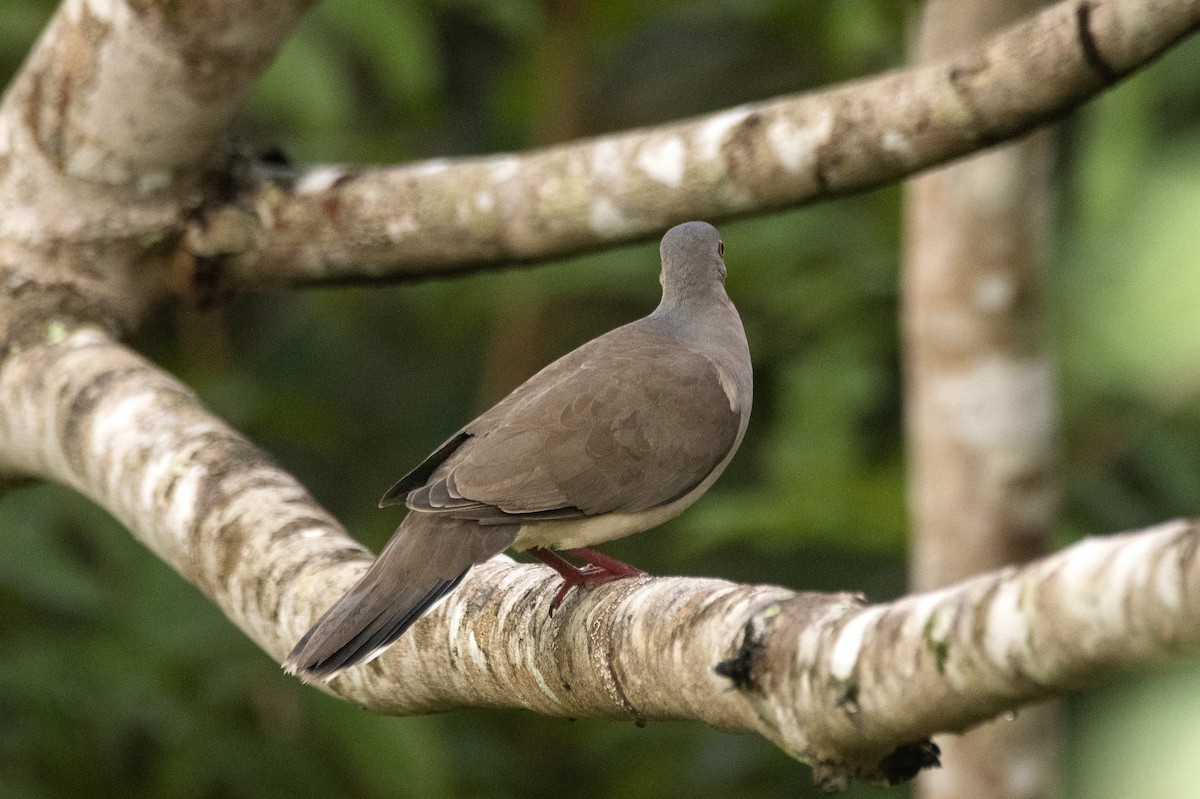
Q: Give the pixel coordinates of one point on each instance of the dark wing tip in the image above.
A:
(394, 496)
(417, 477)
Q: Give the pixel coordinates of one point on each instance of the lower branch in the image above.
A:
(845, 686)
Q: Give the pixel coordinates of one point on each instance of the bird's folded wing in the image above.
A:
(636, 426)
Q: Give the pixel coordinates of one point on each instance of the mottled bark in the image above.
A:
(104, 138)
(334, 225)
(980, 393)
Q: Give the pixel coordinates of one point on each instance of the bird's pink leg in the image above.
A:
(607, 563)
(599, 570)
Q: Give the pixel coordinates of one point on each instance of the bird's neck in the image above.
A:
(694, 300)
(706, 318)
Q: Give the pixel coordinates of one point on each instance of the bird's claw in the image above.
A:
(587, 576)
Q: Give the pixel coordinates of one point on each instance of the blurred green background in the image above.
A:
(118, 679)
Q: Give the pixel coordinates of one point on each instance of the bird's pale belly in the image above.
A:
(591, 530)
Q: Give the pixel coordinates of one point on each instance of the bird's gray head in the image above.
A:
(692, 262)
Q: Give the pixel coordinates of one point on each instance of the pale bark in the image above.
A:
(335, 224)
(980, 394)
(104, 137)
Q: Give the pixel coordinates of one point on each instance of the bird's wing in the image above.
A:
(631, 422)
(545, 379)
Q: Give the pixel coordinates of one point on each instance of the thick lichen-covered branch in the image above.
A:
(833, 681)
(343, 225)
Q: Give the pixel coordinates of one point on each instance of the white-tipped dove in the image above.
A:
(611, 439)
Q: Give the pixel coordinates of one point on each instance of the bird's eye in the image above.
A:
(720, 248)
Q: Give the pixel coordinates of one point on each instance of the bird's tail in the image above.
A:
(426, 558)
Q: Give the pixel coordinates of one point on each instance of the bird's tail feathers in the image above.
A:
(425, 560)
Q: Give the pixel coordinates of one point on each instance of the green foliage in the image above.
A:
(116, 678)
(1140, 739)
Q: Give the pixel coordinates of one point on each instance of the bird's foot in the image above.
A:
(588, 576)
(606, 563)
(598, 570)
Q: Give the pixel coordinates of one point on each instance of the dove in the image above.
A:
(613, 438)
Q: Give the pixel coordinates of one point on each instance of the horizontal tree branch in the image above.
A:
(336, 225)
(832, 681)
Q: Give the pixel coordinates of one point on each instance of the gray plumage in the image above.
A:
(613, 438)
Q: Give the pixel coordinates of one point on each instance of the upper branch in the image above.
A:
(830, 680)
(104, 134)
(136, 91)
(343, 225)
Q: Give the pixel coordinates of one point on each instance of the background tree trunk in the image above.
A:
(981, 404)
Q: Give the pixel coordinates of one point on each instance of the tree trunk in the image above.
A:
(981, 405)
